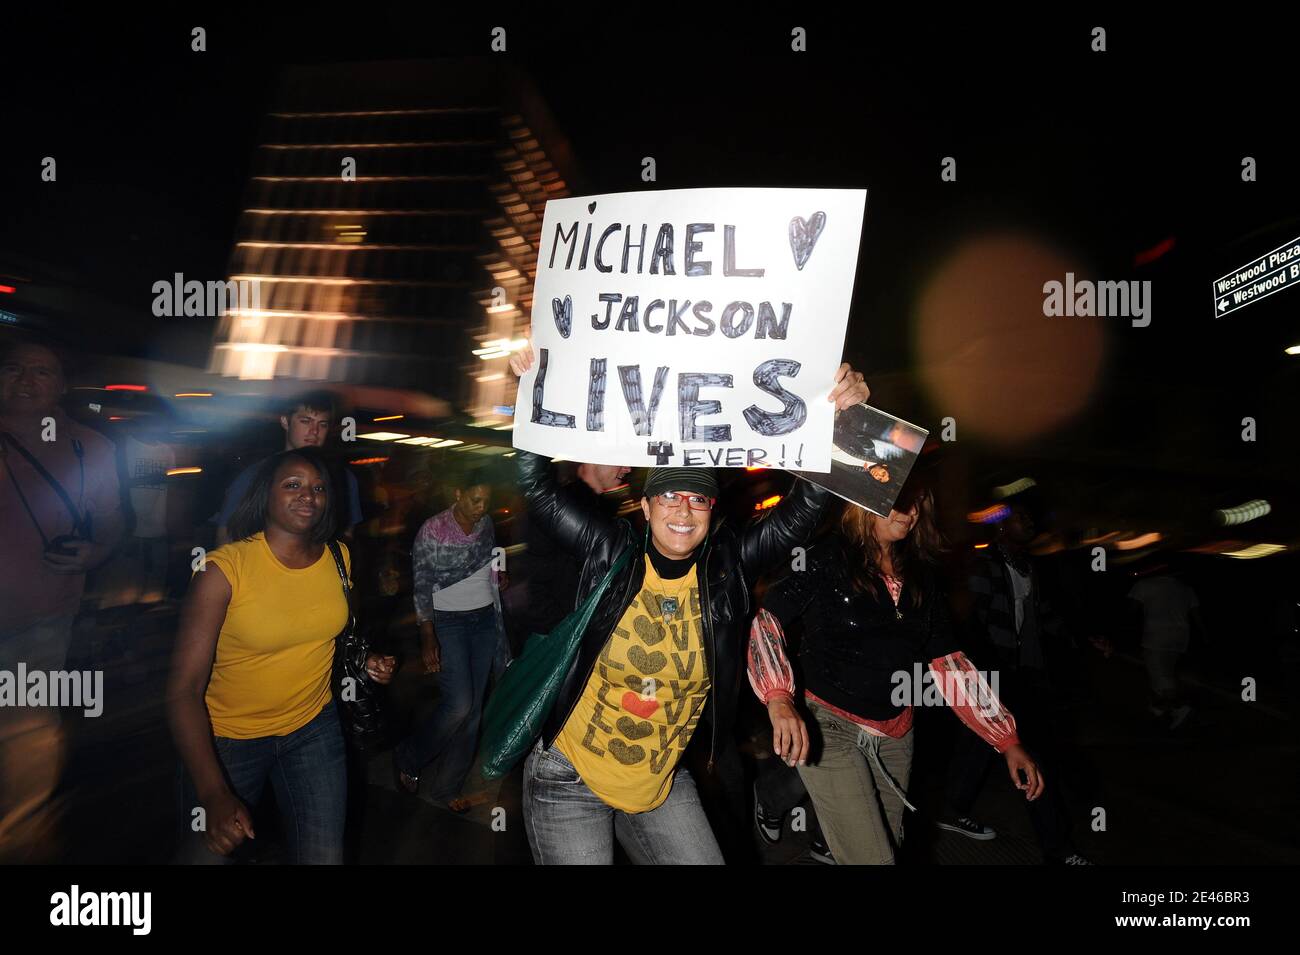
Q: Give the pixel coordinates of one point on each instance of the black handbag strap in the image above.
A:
(337, 554)
(78, 522)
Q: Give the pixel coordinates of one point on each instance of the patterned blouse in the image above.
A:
(444, 555)
(962, 686)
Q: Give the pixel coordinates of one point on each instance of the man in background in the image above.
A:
(61, 514)
(306, 421)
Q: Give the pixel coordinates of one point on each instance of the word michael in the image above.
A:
(920, 686)
(103, 908)
(662, 256)
(1085, 298)
(76, 689)
(193, 298)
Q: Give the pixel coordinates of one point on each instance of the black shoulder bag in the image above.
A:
(357, 695)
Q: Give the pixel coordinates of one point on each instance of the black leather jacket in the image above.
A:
(727, 564)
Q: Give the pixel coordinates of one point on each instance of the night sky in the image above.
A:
(1103, 155)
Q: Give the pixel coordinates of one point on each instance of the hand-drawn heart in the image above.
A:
(627, 755)
(591, 207)
(650, 633)
(646, 662)
(639, 706)
(563, 312)
(803, 236)
(632, 729)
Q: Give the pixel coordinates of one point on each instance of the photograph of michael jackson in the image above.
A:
(871, 455)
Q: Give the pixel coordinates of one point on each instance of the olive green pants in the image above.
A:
(858, 787)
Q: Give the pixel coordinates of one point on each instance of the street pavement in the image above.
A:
(1221, 790)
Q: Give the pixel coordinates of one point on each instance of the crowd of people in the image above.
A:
(685, 609)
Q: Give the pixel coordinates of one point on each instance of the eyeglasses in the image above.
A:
(696, 502)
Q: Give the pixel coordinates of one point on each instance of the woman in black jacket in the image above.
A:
(874, 616)
(663, 652)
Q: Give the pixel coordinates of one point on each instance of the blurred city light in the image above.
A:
(1243, 513)
(1256, 550)
(984, 344)
(1142, 540)
(1015, 487)
(990, 515)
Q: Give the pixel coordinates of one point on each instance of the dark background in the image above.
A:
(1107, 154)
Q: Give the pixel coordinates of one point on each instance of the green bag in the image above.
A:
(523, 698)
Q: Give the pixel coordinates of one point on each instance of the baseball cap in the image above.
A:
(695, 480)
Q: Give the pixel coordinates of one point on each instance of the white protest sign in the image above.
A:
(690, 327)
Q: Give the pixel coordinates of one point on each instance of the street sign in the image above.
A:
(1258, 278)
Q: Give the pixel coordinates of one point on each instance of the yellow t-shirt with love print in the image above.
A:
(644, 698)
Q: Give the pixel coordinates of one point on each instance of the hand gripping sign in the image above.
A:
(691, 327)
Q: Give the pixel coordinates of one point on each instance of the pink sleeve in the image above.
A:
(974, 701)
(769, 671)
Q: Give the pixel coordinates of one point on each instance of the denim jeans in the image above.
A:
(858, 784)
(568, 824)
(308, 771)
(468, 641)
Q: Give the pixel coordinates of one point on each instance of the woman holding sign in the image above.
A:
(662, 653)
(874, 616)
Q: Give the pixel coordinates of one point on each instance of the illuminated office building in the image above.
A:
(392, 223)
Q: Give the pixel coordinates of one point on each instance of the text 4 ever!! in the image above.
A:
(1258, 278)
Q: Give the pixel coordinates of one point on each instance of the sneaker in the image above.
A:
(768, 825)
(821, 852)
(969, 828)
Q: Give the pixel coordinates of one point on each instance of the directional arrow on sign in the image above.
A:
(1223, 303)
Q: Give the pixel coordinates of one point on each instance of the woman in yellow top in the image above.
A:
(249, 694)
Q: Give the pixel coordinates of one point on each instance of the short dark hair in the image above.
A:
(10, 343)
(473, 477)
(312, 401)
(249, 516)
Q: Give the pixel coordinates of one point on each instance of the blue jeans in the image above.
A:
(308, 771)
(568, 824)
(467, 641)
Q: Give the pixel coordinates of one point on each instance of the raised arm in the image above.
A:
(575, 524)
(769, 540)
(792, 522)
